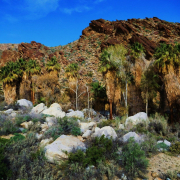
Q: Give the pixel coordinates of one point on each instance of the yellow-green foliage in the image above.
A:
(175, 148)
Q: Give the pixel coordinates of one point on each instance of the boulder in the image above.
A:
(121, 126)
(25, 102)
(45, 142)
(137, 138)
(92, 111)
(54, 152)
(78, 114)
(9, 111)
(44, 127)
(51, 121)
(56, 105)
(107, 131)
(55, 110)
(87, 134)
(38, 136)
(38, 109)
(87, 126)
(137, 118)
(26, 125)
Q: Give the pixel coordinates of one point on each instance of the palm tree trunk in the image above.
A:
(110, 103)
(126, 99)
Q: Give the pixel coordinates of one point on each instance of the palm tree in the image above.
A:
(32, 67)
(72, 70)
(53, 65)
(112, 62)
(167, 62)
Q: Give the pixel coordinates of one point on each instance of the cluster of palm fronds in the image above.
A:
(136, 50)
(167, 54)
(72, 70)
(53, 65)
(13, 71)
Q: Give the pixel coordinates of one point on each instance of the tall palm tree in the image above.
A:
(111, 65)
(167, 62)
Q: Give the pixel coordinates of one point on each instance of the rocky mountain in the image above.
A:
(50, 86)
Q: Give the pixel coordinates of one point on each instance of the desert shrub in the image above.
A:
(105, 123)
(80, 164)
(158, 124)
(5, 173)
(133, 158)
(149, 146)
(27, 161)
(8, 127)
(141, 128)
(67, 124)
(54, 132)
(175, 148)
(36, 127)
(172, 174)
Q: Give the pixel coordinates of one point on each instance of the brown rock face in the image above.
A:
(148, 44)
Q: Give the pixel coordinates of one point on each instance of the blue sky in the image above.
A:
(59, 22)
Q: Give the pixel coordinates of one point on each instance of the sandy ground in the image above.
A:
(161, 163)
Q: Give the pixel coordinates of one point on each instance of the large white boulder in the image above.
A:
(54, 152)
(25, 102)
(107, 131)
(87, 126)
(38, 109)
(137, 118)
(78, 114)
(55, 110)
(137, 138)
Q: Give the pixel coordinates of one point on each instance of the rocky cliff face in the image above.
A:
(86, 52)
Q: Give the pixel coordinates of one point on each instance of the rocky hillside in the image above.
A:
(86, 51)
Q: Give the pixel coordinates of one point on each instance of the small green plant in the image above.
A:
(175, 148)
(76, 131)
(133, 158)
(137, 49)
(17, 137)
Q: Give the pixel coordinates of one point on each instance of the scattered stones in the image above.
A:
(107, 131)
(154, 174)
(137, 138)
(54, 152)
(26, 125)
(38, 136)
(44, 127)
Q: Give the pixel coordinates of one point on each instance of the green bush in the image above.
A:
(94, 154)
(149, 146)
(175, 148)
(133, 158)
(76, 131)
(105, 123)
